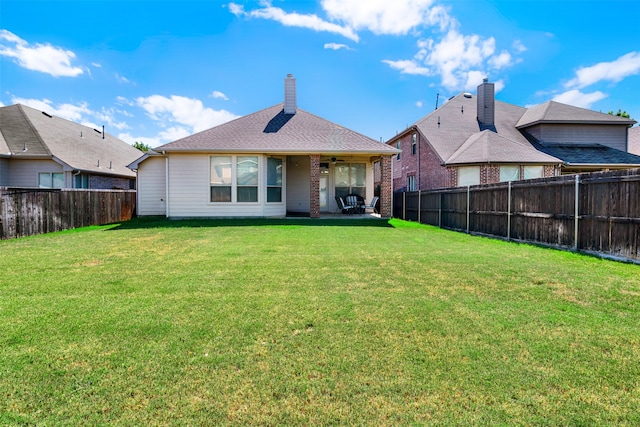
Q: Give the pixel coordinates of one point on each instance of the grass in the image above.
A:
(305, 322)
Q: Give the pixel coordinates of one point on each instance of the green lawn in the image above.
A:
(312, 323)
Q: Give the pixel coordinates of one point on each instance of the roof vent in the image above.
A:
(290, 94)
(467, 95)
(47, 114)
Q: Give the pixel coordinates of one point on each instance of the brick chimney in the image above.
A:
(290, 94)
(486, 105)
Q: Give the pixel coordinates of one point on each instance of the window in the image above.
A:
(234, 179)
(468, 175)
(398, 147)
(411, 183)
(221, 179)
(531, 172)
(274, 180)
(509, 173)
(414, 142)
(81, 181)
(350, 178)
(51, 180)
(247, 177)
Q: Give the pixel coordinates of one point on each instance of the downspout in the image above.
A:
(166, 184)
(73, 181)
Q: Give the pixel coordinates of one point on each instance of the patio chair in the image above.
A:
(372, 205)
(342, 206)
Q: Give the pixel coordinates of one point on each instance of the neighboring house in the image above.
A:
(276, 162)
(634, 140)
(38, 149)
(474, 139)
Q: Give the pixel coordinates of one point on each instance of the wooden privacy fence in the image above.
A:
(597, 212)
(30, 211)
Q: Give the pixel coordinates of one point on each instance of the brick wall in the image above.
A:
(386, 189)
(425, 165)
(103, 182)
(489, 174)
(314, 186)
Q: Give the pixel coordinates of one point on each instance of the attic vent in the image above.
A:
(47, 114)
(467, 95)
(97, 130)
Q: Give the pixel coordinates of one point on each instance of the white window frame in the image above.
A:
(528, 172)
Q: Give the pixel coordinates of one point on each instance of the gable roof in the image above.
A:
(589, 154)
(450, 129)
(634, 140)
(272, 131)
(29, 133)
(555, 112)
(490, 147)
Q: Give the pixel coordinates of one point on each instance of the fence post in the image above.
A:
(440, 211)
(404, 205)
(577, 206)
(419, 206)
(509, 213)
(468, 205)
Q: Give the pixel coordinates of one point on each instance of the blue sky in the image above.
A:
(155, 71)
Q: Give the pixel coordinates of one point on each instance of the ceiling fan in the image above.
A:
(333, 160)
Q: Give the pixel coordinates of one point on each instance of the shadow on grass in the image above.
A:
(162, 222)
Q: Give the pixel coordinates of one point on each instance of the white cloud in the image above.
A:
(419, 104)
(408, 66)
(614, 71)
(579, 99)
(219, 95)
(312, 22)
(336, 46)
(183, 111)
(519, 47)
(45, 58)
(500, 61)
(122, 79)
(130, 139)
(383, 16)
(80, 113)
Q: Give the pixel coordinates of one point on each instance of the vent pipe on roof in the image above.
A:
(290, 94)
(102, 131)
(486, 105)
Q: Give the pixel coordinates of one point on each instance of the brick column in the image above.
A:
(386, 209)
(314, 186)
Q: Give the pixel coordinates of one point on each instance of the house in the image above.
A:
(475, 139)
(634, 140)
(38, 149)
(275, 162)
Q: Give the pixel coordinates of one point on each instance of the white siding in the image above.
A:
(608, 135)
(4, 172)
(189, 191)
(298, 191)
(24, 173)
(151, 187)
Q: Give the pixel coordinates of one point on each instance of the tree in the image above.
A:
(141, 146)
(620, 113)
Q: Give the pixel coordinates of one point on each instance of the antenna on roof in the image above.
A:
(437, 99)
(102, 131)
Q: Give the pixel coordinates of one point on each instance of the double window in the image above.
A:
(51, 180)
(236, 179)
(351, 178)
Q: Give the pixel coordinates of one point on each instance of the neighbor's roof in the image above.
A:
(454, 133)
(272, 131)
(634, 140)
(490, 147)
(555, 112)
(589, 154)
(28, 133)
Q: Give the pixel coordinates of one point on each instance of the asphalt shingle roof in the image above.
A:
(450, 129)
(556, 112)
(78, 146)
(588, 154)
(490, 147)
(272, 131)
